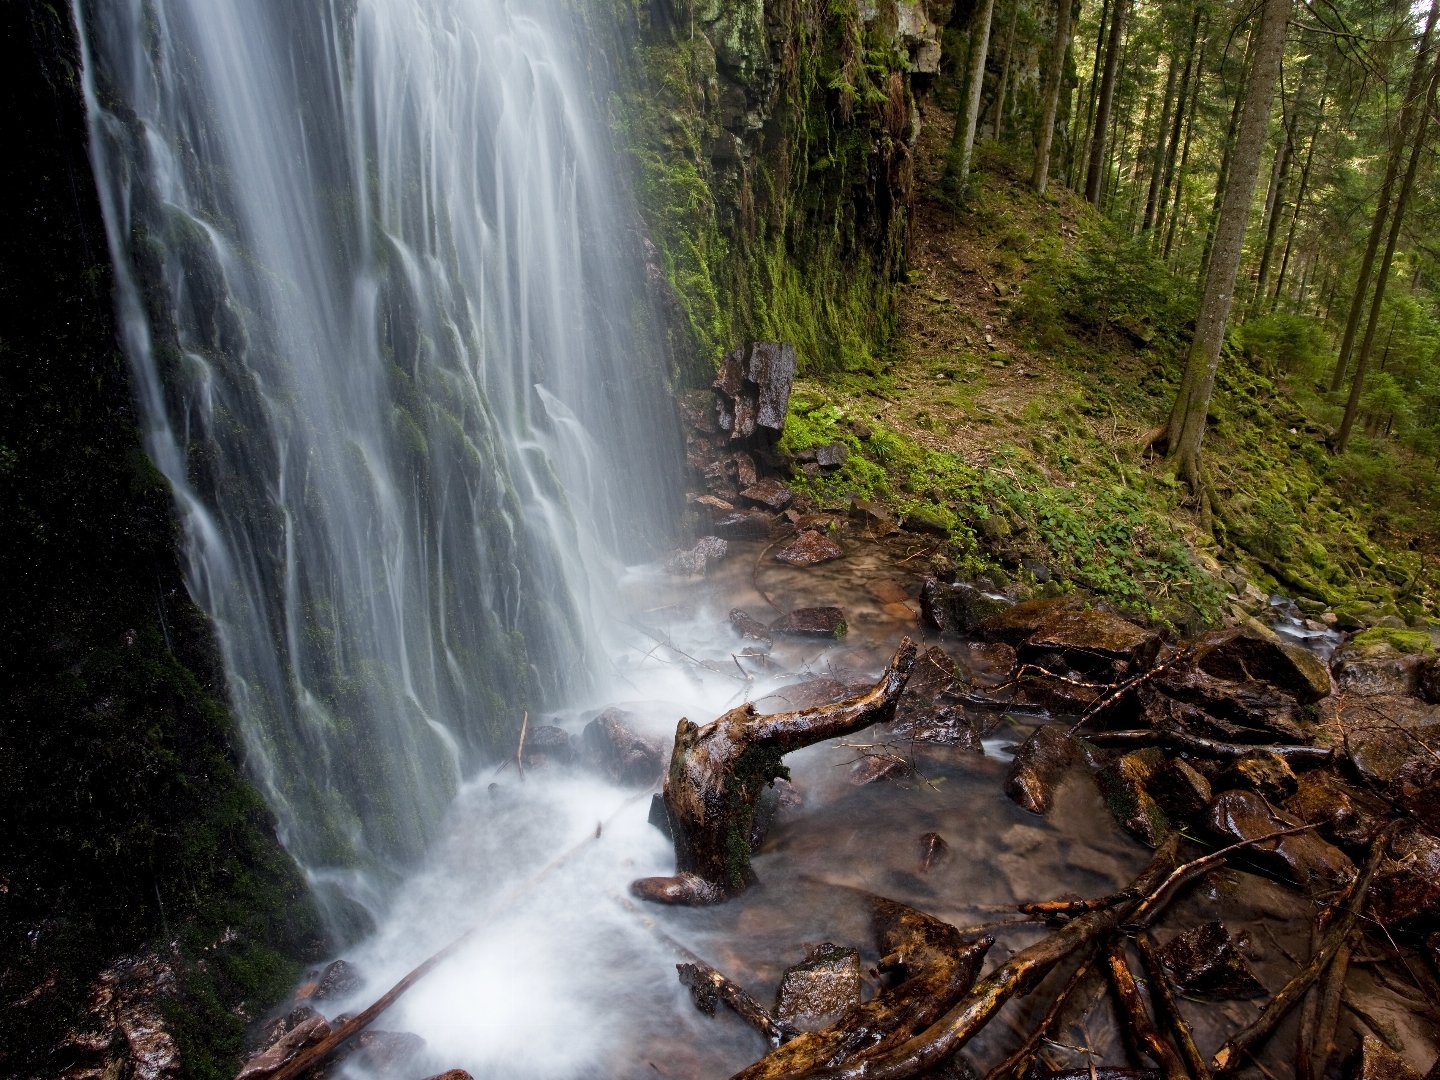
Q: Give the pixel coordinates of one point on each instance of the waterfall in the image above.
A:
(382, 307)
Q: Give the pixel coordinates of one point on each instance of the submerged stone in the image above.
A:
(809, 548)
(816, 992)
(933, 851)
(744, 525)
(872, 768)
(1206, 961)
(929, 709)
(1040, 764)
(825, 622)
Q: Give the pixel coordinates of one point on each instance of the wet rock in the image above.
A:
(1222, 709)
(1376, 668)
(1416, 788)
(822, 690)
(1095, 643)
(874, 518)
(933, 851)
(659, 816)
(340, 978)
(1040, 763)
(1427, 680)
(681, 890)
(1122, 785)
(1300, 857)
(1180, 789)
(546, 744)
(872, 768)
(1263, 772)
(1379, 754)
(617, 752)
(770, 493)
(749, 627)
(384, 1053)
(712, 506)
(1377, 1061)
(816, 992)
(1406, 887)
(752, 392)
(302, 1035)
(744, 525)
(824, 622)
(957, 608)
(929, 709)
(809, 548)
(1245, 655)
(451, 1074)
(1013, 625)
(988, 662)
(745, 471)
(124, 1031)
(1339, 810)
(927, 521)
(1207, 962)
(698, 559)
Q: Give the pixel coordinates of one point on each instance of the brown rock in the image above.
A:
(124, 1031)
(744, 525)
(808, 549)
(821, 690)
(745, 471)
(452, 1074)
(1040, 763)
(872, 768)
(1095, 643)
(304, 1034)
(1427, 680)
(929, 709)
(1264, 772)
(1300, 857)
(1122, 785)
(826, 622)
(1406, 887)
(1244, 655)
(748, 627)
(614, 748)
(1206, 961)
(769, 493)
(817, 992)
(1338, 809)
(933, 851)
(1180, 790)
(712, 506)
(340, 978)
(1376, 669)
(1417, 789)
(1019, 621)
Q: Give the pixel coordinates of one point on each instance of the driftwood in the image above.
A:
(1213, 748)
(709, 988)
(1018, 975)
(935, 967)
(717, 773)
(1147, 1035)
(1168, 1010)
(1018, 1063)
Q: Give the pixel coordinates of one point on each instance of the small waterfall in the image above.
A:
(386, 326)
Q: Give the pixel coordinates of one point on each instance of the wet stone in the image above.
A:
(339, 979)
(1013, 625)
(1263, 772)
(1300, 857)
(817, 992)
(1206, 961)
(1094, 643)
(933, 851)
(1406, 887)
(547, 744)
(873, 517)
(659, 816)
(1180, 790)
(1376, 669)
(1242, 655)
(929, 709)
(1378, 1062)
(1122, 786)
(1325, 800)
(618, 752)
(956, 608)
(752, 392)
(304, 1034)
(809, 548)
(744, 525)
(822, 690)
(1417, 789)
(1427, 680)
(748, 627)
(712, 506)
(770, 493)
(824, 622)
(451, 1074)
(1039, 765)
(872, 768)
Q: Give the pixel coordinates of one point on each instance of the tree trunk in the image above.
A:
(1399, 139)
(1274, 202)
(1226, 154)
(1417, 147)
(718, 772)
(962, 144)
(1157, 158)
(1184, 160)
(1009, 63)
(1186, 426)
(1156, 214)
(1095, 175)
(1086, 129)
(1300, 195)
(1059, 46)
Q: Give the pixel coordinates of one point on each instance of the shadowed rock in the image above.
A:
(1019, 621)
(933, 851)
(1263, 772)
(1094, 643)
(1300, 857)
(822, 622)
(1345, 815)
(769, 493)
(958, 608)
(1040, 763)
(1243, 655)
(1206, 961)
(1378, 1062)
(1122, 785)
(744, 525)
(930, 709)
(1406, 887)
(618, 752)
(1180, 789)
(748, 627)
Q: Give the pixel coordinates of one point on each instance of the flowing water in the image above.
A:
(390, 343)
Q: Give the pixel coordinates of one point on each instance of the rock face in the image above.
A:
(752, 392)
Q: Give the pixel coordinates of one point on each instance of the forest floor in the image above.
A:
(1035, 348)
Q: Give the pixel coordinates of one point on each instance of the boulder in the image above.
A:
(929, 709)
(1180, 789)
(1300, 857)
(1122, 785)
(617, 752)
(547, 744)
(956, 608)
(1264, 772)
(306, 1033)
(1040, 763)
(1376, 668)
(124, 1030)
(816, 992)
(1095, 643)
(1206, 961)
(824, 622)
(809, 548)
(1344, 815)
(1016, 623)
(1406, 887)
(752, 392)
(749, 627)
(1244, 654)
(769, 493)
(339, 979)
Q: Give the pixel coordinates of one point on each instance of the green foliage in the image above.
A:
(1292, 344)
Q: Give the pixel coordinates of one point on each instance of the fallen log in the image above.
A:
(1156, 1047)
(1018, 975)
(709, 988)
(717, 773)
(1213, 748)
(935, 967)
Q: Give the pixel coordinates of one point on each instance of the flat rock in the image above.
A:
(809, 548)
(769, 493)
(1095, 643)
(744, 525)
(1378, 1062)
(957, 608)
(1019, 621)
(824, 622)
(616, 751)
(1228, 710)
(929, 709)
(1206, 961)
(752, 392)
(1122, 786)
(816, 992)
(1406, 887)
(1301, 857)
(1040, 763)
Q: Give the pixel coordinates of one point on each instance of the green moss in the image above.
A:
(1402, 641)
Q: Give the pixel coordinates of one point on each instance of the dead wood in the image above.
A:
(1018, 975)
(1214, 748)
(1020, 1059)
(1074, 907)
(1132, 1007)
(1168, 1009)
(717, 773)
(934, 966)
(1323, 1044)
(709, 988)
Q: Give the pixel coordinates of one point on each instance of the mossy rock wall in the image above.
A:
(127, 824)
(772, 151)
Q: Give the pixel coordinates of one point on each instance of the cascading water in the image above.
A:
(383, 314)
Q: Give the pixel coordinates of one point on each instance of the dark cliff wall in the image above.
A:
(772, 149)
(126, 824)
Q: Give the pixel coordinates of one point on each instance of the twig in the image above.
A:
(1196, 744)
(1151, 1041)
(1019, 1060)
(1163, 995)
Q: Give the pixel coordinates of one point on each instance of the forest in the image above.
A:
(531, 530)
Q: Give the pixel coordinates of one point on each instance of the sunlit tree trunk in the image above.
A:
(1059, 46)
(962, 145)
(1009, 62)
(1169, 147)
(1095, 174)
(1184, 162)
(1186, 426)
(1086, 127)
(1275, 200)
(1300, 195)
